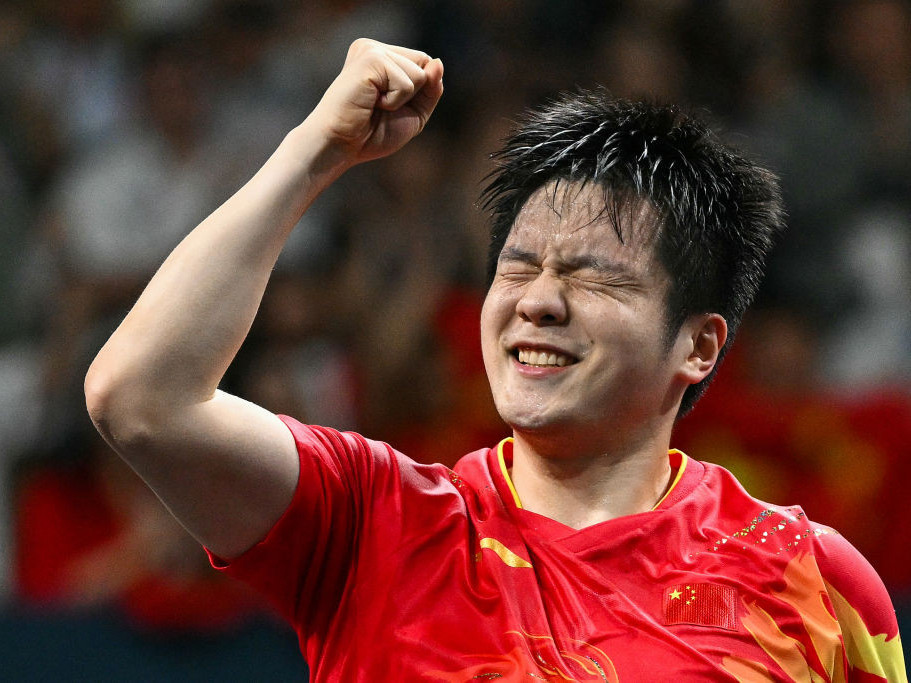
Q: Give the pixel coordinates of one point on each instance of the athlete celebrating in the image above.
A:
(627, 242)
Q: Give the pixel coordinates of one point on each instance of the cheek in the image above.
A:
(632, 336)
(490, 331)
(498, 308)
(497, 313)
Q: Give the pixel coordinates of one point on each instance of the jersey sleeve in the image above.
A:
(864, 611)
(304, 562)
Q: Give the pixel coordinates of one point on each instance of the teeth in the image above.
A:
(542, 358)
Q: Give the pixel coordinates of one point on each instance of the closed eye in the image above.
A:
(516, 264)
(587, 271)
(604, 279)
(613, 285)
(518, 271)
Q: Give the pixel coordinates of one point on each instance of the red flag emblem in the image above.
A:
(702, 604)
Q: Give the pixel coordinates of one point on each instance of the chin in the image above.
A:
(532, 421)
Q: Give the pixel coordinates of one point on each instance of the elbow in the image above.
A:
(102, 400)
(114, 408)
(132, 414)
(98, 396)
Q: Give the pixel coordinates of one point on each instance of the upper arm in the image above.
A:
(225, 468)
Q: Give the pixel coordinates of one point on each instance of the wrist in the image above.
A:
(316, 154)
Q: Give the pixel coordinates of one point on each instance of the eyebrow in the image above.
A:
(581, 262)
(516, 254)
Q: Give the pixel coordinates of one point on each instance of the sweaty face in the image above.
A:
(572, 328)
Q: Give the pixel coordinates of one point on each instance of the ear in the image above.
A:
(703, 337)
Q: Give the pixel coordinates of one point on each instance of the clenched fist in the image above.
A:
(382, 98)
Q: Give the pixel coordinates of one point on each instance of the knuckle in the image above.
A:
(371, 53)
(360, 45)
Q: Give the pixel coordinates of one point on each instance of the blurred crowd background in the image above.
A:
(124, 122)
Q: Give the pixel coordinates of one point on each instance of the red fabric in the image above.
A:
(393, 570)
(844, 459)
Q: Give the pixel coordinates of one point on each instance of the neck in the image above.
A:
(587, 486)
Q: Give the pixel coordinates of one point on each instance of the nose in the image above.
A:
(543, 303)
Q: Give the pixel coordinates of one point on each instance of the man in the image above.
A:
(626, 243)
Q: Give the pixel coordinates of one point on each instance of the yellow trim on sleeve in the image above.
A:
(505, 471)
(683, 461)
(872, 654)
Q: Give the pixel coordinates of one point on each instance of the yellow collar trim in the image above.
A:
(683, 460)
(515, 496)
(505, 471)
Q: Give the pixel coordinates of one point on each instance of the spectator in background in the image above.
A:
(108, 203)
(90, 535)
(297, 361)
(249, 108)
(22, 288)
(870, 51)
(70, 66)
(313, 37)
(636, 58)
(869, 345)
(118, 206)
(833, 115)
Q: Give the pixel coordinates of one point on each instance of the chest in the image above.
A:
(494, 605)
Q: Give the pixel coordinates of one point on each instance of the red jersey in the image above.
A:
(391, 570)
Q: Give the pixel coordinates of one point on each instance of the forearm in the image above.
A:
(225, 467)
(174, 346)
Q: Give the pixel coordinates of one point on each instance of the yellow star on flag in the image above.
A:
(675, 595)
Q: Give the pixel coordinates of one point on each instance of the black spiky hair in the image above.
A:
(719, 213)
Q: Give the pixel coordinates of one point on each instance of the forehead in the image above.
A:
(574, 218)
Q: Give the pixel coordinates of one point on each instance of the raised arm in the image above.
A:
(225, 467)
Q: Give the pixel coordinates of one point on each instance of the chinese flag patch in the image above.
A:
(702, 604)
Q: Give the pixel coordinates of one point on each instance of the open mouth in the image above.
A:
(542, 358)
